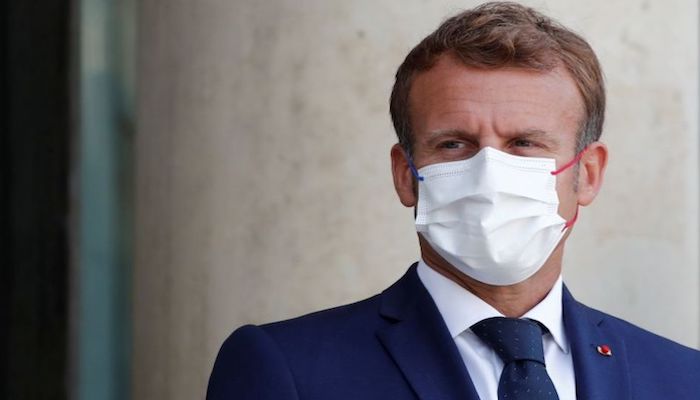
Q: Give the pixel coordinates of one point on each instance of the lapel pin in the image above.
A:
(604, 350)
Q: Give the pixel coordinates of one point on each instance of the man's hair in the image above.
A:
(503, 34)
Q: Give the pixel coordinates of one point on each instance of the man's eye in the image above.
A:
(451, 144)
(523, 143)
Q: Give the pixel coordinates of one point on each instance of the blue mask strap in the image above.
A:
(412, 166)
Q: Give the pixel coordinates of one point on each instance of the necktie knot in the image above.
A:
(518, 342)
(512, 339)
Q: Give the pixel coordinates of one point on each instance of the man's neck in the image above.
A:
(511, 301)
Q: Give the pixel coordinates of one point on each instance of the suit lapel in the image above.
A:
(597, 376)
(420, 344)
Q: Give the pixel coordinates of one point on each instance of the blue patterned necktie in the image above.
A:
(518, 342)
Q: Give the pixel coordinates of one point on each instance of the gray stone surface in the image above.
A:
(263, 181)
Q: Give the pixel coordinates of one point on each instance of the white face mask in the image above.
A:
(493, 216)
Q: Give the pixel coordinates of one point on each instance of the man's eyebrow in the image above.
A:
(449, 132)
(533, 133)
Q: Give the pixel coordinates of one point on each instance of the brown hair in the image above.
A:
(504, 34)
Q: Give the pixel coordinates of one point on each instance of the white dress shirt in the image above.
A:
(461, 309)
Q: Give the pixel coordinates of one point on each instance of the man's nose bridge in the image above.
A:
(492, 141)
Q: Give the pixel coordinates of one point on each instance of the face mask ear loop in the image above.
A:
(412, 166)
(571, 222)
(564, 167)
(570, 163)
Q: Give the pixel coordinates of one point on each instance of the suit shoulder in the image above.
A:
(640, 341)
(329, 344)
(247, 361)
(329, 322)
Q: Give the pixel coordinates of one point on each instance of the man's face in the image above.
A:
(457, 110)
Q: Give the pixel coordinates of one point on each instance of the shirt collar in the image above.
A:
(460, 308)
(549, 313)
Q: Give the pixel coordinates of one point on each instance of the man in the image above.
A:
(498, 114)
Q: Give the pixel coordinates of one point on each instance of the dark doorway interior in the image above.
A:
(34, 192)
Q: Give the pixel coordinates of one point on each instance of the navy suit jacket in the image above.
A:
(396, 346)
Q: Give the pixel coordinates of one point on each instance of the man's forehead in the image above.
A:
(450, 86)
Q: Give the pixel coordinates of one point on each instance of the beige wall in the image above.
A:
(263, 182)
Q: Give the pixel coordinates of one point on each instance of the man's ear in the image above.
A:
(403, 178)
(591, 172)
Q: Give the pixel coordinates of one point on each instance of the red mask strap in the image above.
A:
(570, 163)
(572, 221)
